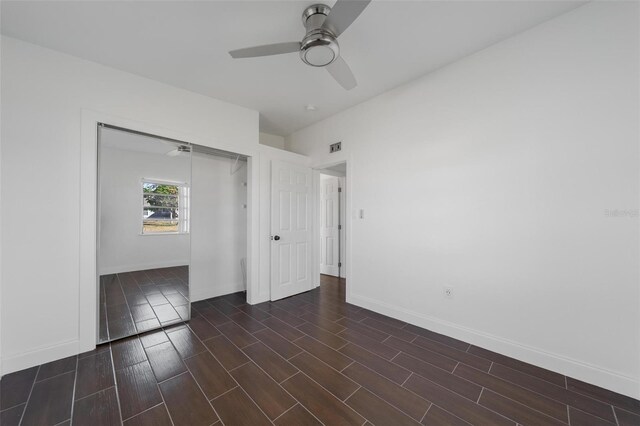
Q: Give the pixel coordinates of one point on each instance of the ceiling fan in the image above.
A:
(319, 47)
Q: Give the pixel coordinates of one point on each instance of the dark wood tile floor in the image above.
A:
(140, 301)
(307, 360)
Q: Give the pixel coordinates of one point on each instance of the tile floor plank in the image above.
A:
(236, 408)
(363, 329)
(441, 338)
(455, 354)
(287, 315)
(210, 375)
(516, 393)
(127, 352)
(322, 335)
(400, 333)
(321, 322)
(214, 316)
(56, 368)
(550, 376)
(615, 399)
(186, 343)
(165, 361)
(580, 418)
(423, 354)
(203, 328)
(323, 352)
(239, 336)
(283, 329)
(153, 338)
(266, 393)
(627, 418)
(255, 312)
(277, 343)
(156, 416)
(396, 395)
(272, 363)
(50, 401)
(298, 416)
(247, 322)
(452, 402)
(376, 410)
(333, 381)
(95, 373)
(186, 404)
(99, 409)
(516, 411)
(557, 393)
(320, 402)
(226, 352)
(369, 344)
(459, 385)
(15, 387)
(386, 368)
(12, 416)
(137, 389)
(436, 416)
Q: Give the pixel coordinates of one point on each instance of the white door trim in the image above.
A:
(88, 302)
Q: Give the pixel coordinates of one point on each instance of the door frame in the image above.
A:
(340, 205)
(347, 270)
(88, 231)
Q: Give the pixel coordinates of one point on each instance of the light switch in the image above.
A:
(361, 213)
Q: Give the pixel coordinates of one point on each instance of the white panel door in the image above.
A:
(329, 233)
(291, 229)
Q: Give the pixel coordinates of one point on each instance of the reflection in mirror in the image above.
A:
(144, 233)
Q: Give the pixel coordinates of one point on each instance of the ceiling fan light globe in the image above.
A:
(319, 49)
(319, 56)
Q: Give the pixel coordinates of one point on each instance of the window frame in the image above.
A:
(183, 196)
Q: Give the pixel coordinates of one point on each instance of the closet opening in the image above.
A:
(171, 229)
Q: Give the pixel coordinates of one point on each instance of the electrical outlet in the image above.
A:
(448, 292)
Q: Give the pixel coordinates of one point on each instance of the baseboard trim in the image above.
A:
(140, 267)
(217, 291)
(580, 370)
(39, 356)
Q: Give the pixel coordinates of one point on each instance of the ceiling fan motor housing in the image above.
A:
(319, 47)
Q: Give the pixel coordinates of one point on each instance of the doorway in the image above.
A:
(331, 230)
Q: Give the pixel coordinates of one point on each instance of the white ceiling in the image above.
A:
(185, 44)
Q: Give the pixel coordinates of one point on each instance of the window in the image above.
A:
(164, 207)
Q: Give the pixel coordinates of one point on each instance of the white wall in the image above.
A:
(273, 141)
(218, 226)
(43, 96)
(492, 175)
(122, 246)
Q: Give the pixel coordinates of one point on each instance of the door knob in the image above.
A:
(277, 237)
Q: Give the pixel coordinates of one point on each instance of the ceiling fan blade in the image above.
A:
(266, 50)
(343, 13)
(342, 73)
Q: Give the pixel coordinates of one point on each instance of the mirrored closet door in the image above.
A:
(144, 186)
